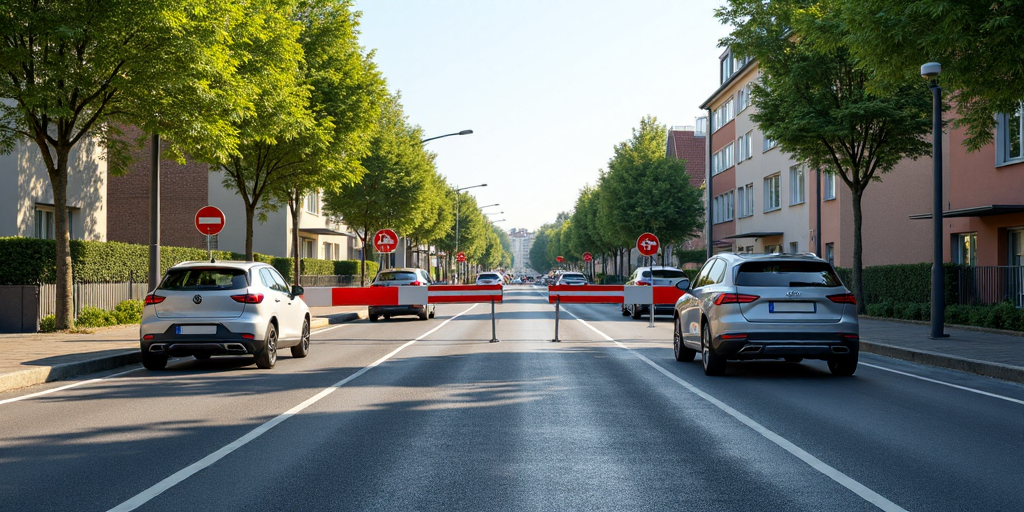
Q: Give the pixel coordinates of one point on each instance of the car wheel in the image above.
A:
(432, 312)
(843, 366)
(714, 364)
(154, 362)
(202, 356)
(793, 359)
(302, 349)
(636, 312)
(682, 353)
(373, 318)
(625, 312)
(424, 315)
(266, 357)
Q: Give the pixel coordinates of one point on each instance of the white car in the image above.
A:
(204, 308)
(489, 278)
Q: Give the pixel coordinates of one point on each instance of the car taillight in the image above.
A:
(843, 298)
(248, 298)
(153, 299)
(416, 283)
(735, 298)
(642, 283)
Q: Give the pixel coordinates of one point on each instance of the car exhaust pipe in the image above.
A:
(751, 349)
(158, 347)
(234, 347)
(840, 350)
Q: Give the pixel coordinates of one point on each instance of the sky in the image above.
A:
(549, 87)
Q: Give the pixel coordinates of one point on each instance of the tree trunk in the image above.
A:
(858, 282)
(250, 214)
(65, 306)
(362, 257)
(296, 211)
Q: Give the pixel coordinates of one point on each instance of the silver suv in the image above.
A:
(401, 277)
(771, 306)
(204, 308)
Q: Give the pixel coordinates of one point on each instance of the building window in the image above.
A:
(772, 193)
(1016, 245)
(743, 97)
(829, 184)
(745, 200)
(725, 67)
(46, 223)
(796, 185)
(722, 208)
(768, 145)
(964, 249)
(743, 147)
(722, 115)
(773, 249)
(794, 247)
(722, 160)
(308, 248)
(311, 202)
(830, 250)
(1009, 142)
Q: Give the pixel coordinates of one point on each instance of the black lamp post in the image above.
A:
(931, 72)
(463, 132)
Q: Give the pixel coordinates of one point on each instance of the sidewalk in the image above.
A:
(30, 359)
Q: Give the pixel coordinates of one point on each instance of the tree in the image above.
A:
(75, 71)
(976, 41)
(437, 217)
(538, 252)
(391, 192)
(814, 99)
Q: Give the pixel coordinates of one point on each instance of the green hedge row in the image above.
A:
(1000, 316)
(33, 261)
(901, 283)
(698, 256)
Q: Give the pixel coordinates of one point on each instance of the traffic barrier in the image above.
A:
(611, 294)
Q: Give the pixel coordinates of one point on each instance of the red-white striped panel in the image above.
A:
(613, 294)
(401, 295)
(456, 293)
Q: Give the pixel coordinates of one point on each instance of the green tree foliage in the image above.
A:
(76, 70)
(392, 191)
(538, 252)
(978, 43)
(645, 191)
(814, 99)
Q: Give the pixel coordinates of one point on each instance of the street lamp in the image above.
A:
(458, 211)
(488, 206)
(931, 72)
(495, 213)
(463, 132)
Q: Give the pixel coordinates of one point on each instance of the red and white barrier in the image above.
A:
(402, 295)
(613, 294)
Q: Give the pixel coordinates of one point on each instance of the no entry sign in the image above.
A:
(385, 241)
(647, 244)
(209, 220)
(460, 257)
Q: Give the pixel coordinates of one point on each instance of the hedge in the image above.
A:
(33, 261)
(1000, 316)
(698, 256)
(901, 283)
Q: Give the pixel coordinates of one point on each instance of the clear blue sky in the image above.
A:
(548, 87)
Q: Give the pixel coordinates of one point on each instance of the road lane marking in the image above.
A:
(839, 477)
(957, 386)
(165, 484)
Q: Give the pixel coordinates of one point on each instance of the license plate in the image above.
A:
(791, 307)
(196, 329)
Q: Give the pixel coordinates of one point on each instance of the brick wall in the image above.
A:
(183, 191)
(685, 146)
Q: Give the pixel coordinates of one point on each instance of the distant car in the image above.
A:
(770, 306)
(489, 278)
(652, 276)
(401, 277)
(571, 278)
(204, 309)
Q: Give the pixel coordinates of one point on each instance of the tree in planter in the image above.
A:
(814, 99)
(74, 71)
(391, 191)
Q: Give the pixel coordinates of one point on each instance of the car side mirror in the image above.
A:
(683, 284)
(297, 290)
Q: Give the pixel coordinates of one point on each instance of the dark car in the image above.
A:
(771, 306)
(401, 277)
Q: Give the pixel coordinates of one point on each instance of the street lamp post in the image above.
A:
(463, 132)
(931, 72)
(458, 212)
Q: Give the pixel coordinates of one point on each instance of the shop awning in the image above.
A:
(976, 211)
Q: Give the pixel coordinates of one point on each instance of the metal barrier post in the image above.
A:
(651, 324)
(494, 334)
(558, 302)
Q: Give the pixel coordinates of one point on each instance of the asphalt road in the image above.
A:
(414, 415)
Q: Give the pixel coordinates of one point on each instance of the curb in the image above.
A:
(985, 368)
(44, 374)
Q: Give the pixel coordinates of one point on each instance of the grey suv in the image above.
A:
(771, 306)
(203, 309)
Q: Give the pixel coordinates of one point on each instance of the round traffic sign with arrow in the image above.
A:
(587, 257)
(460, 257)
(385, 241)
(648, 244)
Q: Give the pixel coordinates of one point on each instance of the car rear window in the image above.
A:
(396, 276)
(488, 276)
(787, 274)
(666, 273)
(205, 279)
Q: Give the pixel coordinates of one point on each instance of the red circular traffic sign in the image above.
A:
(560, 259)
(587, 257)
(385, 241)
(647, 244)
(209, 220)
(460, 257)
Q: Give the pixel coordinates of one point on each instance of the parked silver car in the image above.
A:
(489, 278)
(204, 308)
(401, 277)
(768, 306)
(571, 278)
(652, 276)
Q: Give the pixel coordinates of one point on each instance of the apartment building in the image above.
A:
(687, 143)
(522, 241)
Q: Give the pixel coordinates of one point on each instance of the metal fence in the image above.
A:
(990, 285)
(329, 281)
(100, 295)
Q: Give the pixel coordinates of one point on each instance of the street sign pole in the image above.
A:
(494, 332)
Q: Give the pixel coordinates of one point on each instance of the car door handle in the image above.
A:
(277, 300)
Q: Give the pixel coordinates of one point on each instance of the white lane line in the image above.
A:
(62, 388)
(154, 491)
(963, 388)
(839, 477)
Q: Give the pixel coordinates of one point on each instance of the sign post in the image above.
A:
(209, 221)
(587, 258)
(648, 245)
